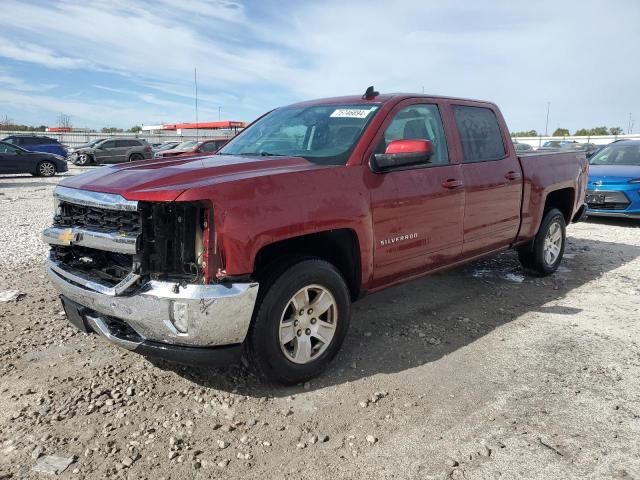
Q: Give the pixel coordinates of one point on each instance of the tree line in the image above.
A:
(63, 120)
(582, 132)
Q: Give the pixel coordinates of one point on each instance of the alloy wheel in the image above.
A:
(552, 243)
(308, 324)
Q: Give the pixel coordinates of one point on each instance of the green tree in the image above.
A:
(615, 131)
(561, 132)
(600, 131)
(135, 129)
(111, 130)
(530, 133)
(583, 132)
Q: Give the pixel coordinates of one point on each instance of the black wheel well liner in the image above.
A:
(562, 199)
(339, 247)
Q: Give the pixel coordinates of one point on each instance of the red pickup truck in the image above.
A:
(260, 249)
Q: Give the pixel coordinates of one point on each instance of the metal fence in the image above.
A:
(78, 138)
(596, 139)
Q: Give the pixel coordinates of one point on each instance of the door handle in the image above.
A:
(452, 183)
(512, 175)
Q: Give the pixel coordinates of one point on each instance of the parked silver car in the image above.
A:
(112, 150)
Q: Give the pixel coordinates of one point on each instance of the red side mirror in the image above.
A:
(410, 146)
(402, 154)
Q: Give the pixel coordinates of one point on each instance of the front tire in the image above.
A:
(299, 323)
(545, 254)
(46, 169)
(83, 159)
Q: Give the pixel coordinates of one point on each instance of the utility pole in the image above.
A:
(546, 126)
(630, 128)
(219, 109)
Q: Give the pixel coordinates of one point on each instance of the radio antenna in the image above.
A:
(195, 81)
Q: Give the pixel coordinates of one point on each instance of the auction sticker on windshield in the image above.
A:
(351, 112)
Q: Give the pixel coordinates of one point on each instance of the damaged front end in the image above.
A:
(139, 273)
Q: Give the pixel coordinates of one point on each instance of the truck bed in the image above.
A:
(546, 172)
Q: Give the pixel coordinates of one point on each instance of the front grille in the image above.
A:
(107, 268)
(613, 200)
(99, 219)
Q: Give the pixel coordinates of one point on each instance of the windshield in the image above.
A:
(186, 146)
(168, 146)
(573, 146)
(324, 134)
(619, 154)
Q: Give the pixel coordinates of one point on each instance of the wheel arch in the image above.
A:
(339, 247)
(563, 199)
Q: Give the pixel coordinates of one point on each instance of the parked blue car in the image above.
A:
(35, 143)
(614, 181)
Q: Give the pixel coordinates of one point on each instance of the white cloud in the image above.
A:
(10, 81)
(521, 55)
(29, 52)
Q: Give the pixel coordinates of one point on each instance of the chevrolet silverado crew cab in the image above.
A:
(259, 250)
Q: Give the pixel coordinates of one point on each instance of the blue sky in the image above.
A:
(122, 63)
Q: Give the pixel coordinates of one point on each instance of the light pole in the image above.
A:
(219, 109)
(546, 126)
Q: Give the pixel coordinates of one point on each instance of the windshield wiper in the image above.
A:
(262, 154)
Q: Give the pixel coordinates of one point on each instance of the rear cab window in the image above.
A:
(480, 134)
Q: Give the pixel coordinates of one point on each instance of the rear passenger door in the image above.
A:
(492, 178)
(122, 149)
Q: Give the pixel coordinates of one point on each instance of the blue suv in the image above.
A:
(35, 143)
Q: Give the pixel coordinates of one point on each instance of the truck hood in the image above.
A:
(612, 174)
(165, 179)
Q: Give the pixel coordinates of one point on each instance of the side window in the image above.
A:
(418, 122)
(209, 147)
(7, 149)
(108, 144)
(480, 133)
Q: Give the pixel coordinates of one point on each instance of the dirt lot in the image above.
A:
(477, 373)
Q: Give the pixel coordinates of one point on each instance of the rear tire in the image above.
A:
(135, 157)
(46, 169)
(284, 341)
(544, 255)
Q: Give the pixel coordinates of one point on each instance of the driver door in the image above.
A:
(418, 211)
(104, 151)
(11, 161)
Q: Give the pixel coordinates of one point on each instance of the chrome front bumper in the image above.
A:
(163, 312)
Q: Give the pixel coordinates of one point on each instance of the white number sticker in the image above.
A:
(351, 113)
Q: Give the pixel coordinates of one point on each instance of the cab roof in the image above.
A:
(379, 99)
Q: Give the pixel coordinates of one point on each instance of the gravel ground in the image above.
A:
(26, 207)
(480, 372)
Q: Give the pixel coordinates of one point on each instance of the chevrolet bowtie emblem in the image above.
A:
(67, 236)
